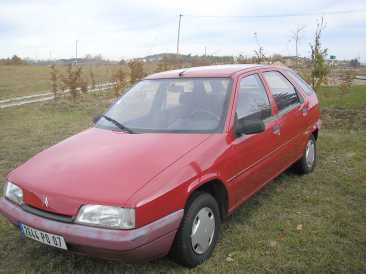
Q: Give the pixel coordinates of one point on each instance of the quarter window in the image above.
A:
(252, 100)
(305, 86)
(283, 91)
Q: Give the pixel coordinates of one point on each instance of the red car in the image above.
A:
(163, 167)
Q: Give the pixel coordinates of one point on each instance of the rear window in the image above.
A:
(304, 86)
(283, 91)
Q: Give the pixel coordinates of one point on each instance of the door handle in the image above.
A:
(305, 111)
(276, 129)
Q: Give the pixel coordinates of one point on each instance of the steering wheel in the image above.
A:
(211, 114)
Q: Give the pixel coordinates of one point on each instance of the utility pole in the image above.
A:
(76, 52)
(180, 18)
(205, 50)
(296, 37)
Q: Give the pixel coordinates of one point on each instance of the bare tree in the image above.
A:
(259, 53)
(320, 68)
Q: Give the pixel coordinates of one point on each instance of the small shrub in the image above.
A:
(163, 65)
(346, 80)
(16, 60)
(136, 70)
(83, 85)
(54, 80)
(320, 68)
(72, 80)
(120, 77)
(92, 78)
(355, 63)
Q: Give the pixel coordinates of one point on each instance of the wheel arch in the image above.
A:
(315, 133)
(217, 189)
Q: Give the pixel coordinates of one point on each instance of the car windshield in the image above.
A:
(171, 105)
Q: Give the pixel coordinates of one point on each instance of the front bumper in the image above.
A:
(142, 244)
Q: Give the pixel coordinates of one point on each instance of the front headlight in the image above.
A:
(106, 216)
(13, 193)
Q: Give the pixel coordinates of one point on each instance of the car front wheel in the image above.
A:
(199, 231)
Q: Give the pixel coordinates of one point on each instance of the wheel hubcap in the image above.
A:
(310, 153)
(203, 230)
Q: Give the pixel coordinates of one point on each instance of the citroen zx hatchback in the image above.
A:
(169, 160)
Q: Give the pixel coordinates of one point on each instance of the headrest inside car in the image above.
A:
(185, 98)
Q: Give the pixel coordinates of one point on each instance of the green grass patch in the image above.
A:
(332, 97)
(296, 224)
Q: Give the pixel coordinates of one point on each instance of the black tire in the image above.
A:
(302, 166)
(182, 251)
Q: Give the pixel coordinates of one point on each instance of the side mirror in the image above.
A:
(96, 119)
(248, 126)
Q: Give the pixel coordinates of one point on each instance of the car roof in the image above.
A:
(206, 71)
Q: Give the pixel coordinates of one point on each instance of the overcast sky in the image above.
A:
(118, 29)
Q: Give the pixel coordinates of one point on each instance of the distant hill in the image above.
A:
(188, 58)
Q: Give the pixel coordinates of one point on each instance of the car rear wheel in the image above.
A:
(199, 231)
(307, 162)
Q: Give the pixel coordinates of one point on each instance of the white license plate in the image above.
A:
(43, 237)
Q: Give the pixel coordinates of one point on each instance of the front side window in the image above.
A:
(283, 91)
(252, 100)
(172, 105)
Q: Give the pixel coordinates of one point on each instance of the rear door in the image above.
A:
(291, 115)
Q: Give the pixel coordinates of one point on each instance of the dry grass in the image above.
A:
(31, 79)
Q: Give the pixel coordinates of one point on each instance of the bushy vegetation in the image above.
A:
(23, 80)
(14, 60)
(346, 80)
(136, 70)
(72, 80)
(355, 63)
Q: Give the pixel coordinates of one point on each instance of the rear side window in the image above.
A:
(305, 86)
(252, 100)
(283, 91)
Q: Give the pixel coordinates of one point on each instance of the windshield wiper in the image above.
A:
(118, 124)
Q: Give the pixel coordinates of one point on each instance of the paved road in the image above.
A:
(361, 77)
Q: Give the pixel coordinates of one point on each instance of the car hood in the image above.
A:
(98, 166)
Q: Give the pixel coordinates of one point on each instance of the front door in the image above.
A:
(253, 160)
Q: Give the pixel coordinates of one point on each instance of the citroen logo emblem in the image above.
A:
(45, 201)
